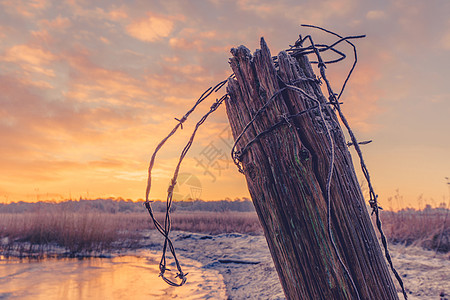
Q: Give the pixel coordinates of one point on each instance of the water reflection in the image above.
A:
(125, 277)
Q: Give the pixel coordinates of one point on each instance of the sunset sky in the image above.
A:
(89, 88)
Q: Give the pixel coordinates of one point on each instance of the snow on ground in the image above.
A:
(248, 272)
(426, 274)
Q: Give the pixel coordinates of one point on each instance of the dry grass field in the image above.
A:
(428, 228)
(83, 232)
(77, 232)
(86, 231)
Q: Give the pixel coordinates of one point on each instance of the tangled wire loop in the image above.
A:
(295, 50)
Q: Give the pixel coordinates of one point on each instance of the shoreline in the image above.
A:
(245, 263)
(424, 272)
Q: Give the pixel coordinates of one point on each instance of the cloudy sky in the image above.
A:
(88, 88)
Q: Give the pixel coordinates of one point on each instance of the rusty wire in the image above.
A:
(295, 50)
(165, 230)
(298, 50)
(373, 201)
(237, 155)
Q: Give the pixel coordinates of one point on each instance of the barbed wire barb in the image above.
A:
(165, 229)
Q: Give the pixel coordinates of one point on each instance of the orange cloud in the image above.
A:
(106, 163)
(171, 59)
(91, 83)
(61, 146)
(85, 109)
(28, 54)
(33, 61)
(186, 44)
(150, 29)
(187, 70)
(118, 14)
(445, 41)
(361, 97)
(41, 84)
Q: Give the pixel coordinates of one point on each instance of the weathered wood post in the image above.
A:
(286, 172)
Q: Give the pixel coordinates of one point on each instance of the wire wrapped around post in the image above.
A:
(295, 50)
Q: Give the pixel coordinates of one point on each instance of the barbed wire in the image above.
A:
(237, 156)
(298, 50)
(295, 50)
(165, 230)
(373, 201)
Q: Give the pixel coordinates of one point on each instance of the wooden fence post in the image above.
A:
(286, 171)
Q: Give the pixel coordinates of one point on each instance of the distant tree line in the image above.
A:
(119, 205)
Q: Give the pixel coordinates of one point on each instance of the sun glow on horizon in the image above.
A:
(87, 91)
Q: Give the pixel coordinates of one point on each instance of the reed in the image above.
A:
(426, 228)
(85, 231)
(217, 222)
(77, 232)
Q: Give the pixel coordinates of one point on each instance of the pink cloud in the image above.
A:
(2, 32)
(376, 15)
(202, 41)
(26, 8)
(306, 12)
(37, 4)
(59, 23)
(261, 9)
(96, 13)
(41, 36)
(105, 40)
